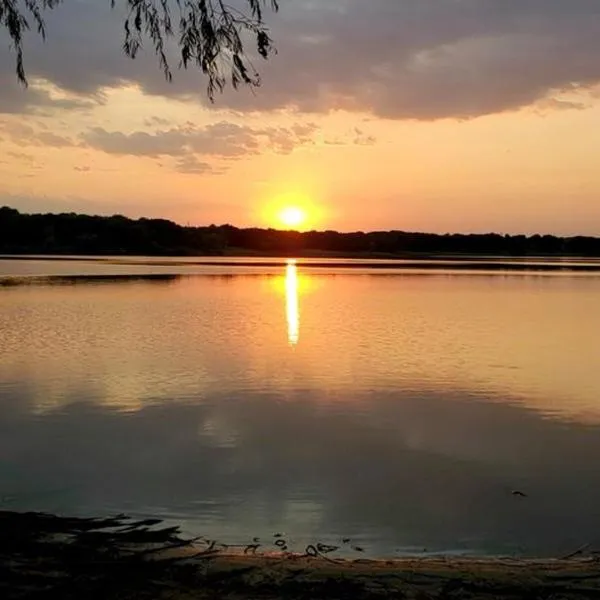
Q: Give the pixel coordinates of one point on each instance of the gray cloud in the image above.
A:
(394, 58)
(156, 121)
(140, 143)
(435, 58)
(26, 135)
(15, 99)
(223, 140)
(191, 164)
(363, 139)
(48, 138)
(355, 136)
(22, 156)
(28, 163)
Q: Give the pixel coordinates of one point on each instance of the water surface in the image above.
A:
(396, 407)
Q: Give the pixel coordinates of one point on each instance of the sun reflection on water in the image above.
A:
(291, 302)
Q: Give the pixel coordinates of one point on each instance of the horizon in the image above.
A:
(441, 117)
(306, 231)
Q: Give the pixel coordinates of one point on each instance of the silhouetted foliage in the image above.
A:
(209, 34)
(117, 235)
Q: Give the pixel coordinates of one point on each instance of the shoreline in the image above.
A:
(411, 264)
(234, 254)
(43, 555)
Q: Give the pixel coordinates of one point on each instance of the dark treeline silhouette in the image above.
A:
(72, 233)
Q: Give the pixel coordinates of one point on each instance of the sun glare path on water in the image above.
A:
(291, 302)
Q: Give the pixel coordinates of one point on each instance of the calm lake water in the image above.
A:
(396, 407)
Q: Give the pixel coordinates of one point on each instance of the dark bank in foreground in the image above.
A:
(45, 556)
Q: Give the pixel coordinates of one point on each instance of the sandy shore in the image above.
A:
(43, 556)
(276, 577)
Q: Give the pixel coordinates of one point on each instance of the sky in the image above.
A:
(419, 115)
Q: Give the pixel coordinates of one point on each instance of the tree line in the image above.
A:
(70, 233)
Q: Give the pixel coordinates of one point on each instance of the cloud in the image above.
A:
(140, 143)
(48, 138)
(27, 135)
(354, 136)
(22, 156)
(561, 104)
(363, 139)
(433, 59)
(398, 59)
(28, 163)
(222, 140)
(154, 121)
(191, 164)
(36, 98)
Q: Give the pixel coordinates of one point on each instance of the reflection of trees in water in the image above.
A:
(67, 280)
(157, 278)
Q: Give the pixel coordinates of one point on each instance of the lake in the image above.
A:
(396, 405)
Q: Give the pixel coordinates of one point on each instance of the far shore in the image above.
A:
(46, 556)
(241, 253)
(342, 261)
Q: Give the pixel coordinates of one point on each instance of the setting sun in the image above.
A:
(299, 208)
(292, 216)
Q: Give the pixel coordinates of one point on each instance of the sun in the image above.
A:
(294, 210)
(292, 216)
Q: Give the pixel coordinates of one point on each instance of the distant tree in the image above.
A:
(70, 233)
(209, 34)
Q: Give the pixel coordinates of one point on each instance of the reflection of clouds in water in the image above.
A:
(139, 342)
(220, 431)
(424, 469)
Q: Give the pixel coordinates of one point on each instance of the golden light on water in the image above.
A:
(291, 285)
(291, 303)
